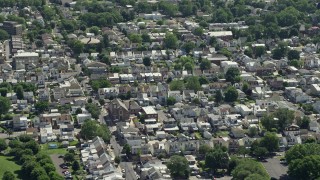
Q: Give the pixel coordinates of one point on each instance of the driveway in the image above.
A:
(275, 169)
(57, 161)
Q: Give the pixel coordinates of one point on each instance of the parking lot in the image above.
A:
(57, 161)
(275, 169)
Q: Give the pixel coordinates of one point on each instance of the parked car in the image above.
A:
(63, 166)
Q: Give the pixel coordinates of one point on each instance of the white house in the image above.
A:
(82, 117)
(46, 134)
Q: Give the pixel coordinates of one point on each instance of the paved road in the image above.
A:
(129, 172)
(116, 147)
(15, 134)
(275, 169)
(57, 161)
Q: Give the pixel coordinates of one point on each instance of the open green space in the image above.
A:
(45, 148)
(7, 164)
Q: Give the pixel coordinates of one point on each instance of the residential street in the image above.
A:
(129, 172)
(116, 147)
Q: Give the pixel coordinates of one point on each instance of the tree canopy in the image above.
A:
(91, 128)
(4, 105)
(179, 167)
(217, 159)
(233, 75)
(247, 168)
(170, 41)
(231, 94)
(279, 119)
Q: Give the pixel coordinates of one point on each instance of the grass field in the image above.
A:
(7, 164)
(45, 148)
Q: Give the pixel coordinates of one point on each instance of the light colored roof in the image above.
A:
(149, 110)
(220, 33)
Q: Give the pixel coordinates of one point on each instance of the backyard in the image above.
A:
(59, 150)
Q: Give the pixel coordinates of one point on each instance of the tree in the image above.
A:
(296, 63)
(68, 157)
(285, 117)
(242, 150)
(189, 46)
(305, 168)
(3, 92)
(232, 75)
(4, 105)
(270, 141)
(245, 87)
(193, 83)
(126, 149)
(248, 52)
(117, 160)
(8, 175)
(205, 64)
(188, 66)
(259, 51)
(252, 131)
(42, 106)
(33, 145)
(90, 129)
(203, 80)
(49, 167)
(260, 152)
(225, 52)
(94, 110)
(147, 61)
(170, 41)
(99, 83)
(280, 51)
(204, 149)
(25, 138)
(3, 35)
(179, 167)
(176, 85)
(231, 94)
(77, 46)
(171, 101)
(217, 159)
(145, 37)
(75, 166)
(19, 91)
(218, 98)
(3, 145)
(95, 30)
(198, 31)
(268, 122)
(78, 111)
(38, 172)
(300, 151)
(303, 123)
(55, 176)
(293, 54)
(135, 38)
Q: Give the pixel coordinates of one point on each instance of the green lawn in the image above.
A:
(44, 148)
(7, 164)
(222, 133)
